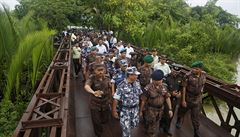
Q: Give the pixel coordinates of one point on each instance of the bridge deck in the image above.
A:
(112, 129)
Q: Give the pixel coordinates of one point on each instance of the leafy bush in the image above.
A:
(10, 113)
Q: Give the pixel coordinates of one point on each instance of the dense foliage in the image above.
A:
(184, 33)
(22, 63)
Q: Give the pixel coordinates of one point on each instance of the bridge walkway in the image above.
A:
(84, 126)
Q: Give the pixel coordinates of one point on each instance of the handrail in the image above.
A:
(214, 89)
(48, 112)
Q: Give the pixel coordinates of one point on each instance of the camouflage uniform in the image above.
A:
(118, 62)
(154, 98)
(110, 67)
(85, 51)
(128, 94)
(174, 83)
(145, 76)
(90, 59)
(134, 59)
(118, 77)
(99, 106)
(194, 86)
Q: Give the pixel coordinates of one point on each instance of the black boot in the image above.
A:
(166, 131)
(196, 133)
(179, 123)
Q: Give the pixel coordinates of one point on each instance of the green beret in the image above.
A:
(148, 59)
(197, 64)
(93, 48)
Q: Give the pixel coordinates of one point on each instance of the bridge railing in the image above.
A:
(48, 112)
(218, 92)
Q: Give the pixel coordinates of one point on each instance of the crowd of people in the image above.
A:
(134, 87)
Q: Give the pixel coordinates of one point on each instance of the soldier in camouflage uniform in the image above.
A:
(98, 60)
(128, 93)
(109, 64)
(98, 85)
(193, 84)
(146, 71)
(174, 85)
(153, 98)
(89, 59)
(133, 60)
(141, 56)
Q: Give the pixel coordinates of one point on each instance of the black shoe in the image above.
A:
(178, 124)
(167, 132)
(196, 133)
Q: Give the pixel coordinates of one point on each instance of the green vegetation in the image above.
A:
(184, 33)
(22, 63)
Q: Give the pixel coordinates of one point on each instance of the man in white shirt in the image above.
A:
(155, 57)
(129, 50)
(113, 41)
(162, 65)
(101, 48)
(120, 46)
(106, 42)
(76, 59)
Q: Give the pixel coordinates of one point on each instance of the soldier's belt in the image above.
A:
(134, 106)
(155, 106)
(193, 96)
(100, 99)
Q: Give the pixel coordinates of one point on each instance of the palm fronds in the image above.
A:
(8, 35)
(33, 40)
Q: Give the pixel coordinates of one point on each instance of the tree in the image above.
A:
(55, 12)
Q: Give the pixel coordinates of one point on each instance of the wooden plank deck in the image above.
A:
(84, 126)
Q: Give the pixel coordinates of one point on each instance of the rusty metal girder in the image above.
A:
(49, 107)
(42, 123)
